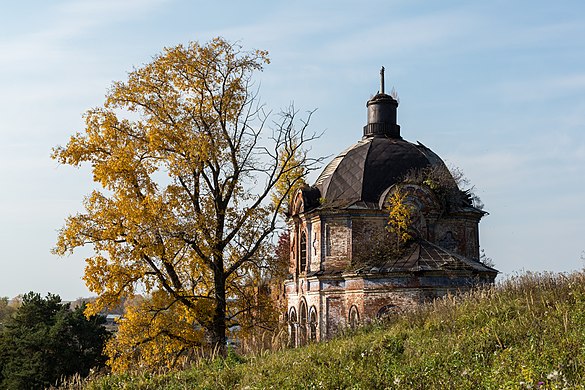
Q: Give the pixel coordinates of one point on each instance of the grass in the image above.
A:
(525, 333)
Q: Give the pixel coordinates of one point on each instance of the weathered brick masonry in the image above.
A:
(338, 224)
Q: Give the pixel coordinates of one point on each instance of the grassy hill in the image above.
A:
(526, 333)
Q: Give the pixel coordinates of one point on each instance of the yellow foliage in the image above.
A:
(154, 333)
(400, 217)
(293, 175)
(182, 212)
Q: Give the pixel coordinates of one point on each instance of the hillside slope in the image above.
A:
(528, 332)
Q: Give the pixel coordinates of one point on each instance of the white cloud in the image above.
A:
(48, 45)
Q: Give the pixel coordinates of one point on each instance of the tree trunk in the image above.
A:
(219, 316)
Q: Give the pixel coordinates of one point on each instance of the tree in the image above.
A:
(400, 217)
(260, 326)
(450, 185)
(293, 177)
(6, 310)
(188, 160)
(156, 333)
(45, 341)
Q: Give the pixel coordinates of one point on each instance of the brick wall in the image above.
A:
(336, 243)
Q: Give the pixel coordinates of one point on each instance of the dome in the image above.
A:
(365, 170)
(382, 158)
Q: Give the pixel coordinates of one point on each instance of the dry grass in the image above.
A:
(528, 332)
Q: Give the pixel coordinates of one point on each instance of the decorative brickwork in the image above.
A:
(345, 269)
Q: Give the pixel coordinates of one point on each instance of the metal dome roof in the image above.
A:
(365, 170)
(379, 160)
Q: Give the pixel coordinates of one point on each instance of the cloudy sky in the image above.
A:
(496, 88)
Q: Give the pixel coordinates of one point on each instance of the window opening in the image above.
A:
(292, 327)
(303, 323)
(313, 324)
(303, 248)
(354, 317)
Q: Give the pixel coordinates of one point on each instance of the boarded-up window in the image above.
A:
(386, 311)
(334, 315)
(354, 317)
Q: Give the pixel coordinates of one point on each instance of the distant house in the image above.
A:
(112, 322)
(340, 275)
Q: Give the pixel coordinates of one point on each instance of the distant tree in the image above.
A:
(281, 265)
(45, 341)
(6, 310)
(260, 326)
(188, 159)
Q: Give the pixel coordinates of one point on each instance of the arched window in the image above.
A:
(313, 324)
(303, 251)
(303, 323)
(354, 317)
(292, 323)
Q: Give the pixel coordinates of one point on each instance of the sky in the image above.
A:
(495, 88)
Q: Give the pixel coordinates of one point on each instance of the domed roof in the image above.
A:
(365, 170)
(381, 159)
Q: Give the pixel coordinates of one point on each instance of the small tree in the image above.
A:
(261, 327)
(157, 332)
(400, 218)
(293, 178)
(449, 184)
(188, 178)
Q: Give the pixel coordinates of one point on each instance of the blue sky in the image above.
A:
(496, 88)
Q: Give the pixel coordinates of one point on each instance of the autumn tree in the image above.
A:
(187, 159)
(156, 333)
(400, 217)
(261, 325)
(293, 178)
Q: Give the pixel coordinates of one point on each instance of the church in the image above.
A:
(345, 267)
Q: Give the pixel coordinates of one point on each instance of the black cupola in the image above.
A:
(382, 114)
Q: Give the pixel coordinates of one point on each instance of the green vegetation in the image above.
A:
(43, 340)
(528, 332)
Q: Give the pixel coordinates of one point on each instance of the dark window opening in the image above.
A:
(303, 257)
(303, 323)
(293, 327)
(313, 324)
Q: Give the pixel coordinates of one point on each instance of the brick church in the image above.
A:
(341, 275)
